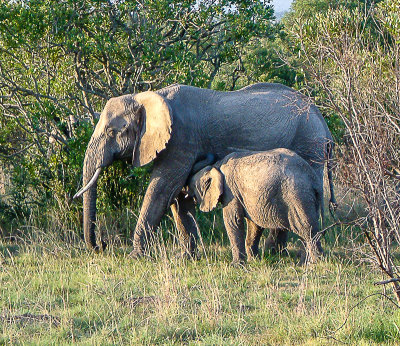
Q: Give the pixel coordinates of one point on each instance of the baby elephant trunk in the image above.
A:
(202, 161)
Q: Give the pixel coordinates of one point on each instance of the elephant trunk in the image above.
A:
(203, 161)
(89, 207)
(91, 172)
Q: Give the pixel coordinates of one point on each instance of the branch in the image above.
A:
(5, 156)
(385, 282)
(390, 174)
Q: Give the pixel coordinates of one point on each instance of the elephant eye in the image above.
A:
(110, 132)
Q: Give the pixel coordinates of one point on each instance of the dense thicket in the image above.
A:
(61, 60)
(350, 55)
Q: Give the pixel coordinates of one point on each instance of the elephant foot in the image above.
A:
(142, 244)
(103, 245)
(136, 254)
(276, 242)
(100, 248)
(252, 258)
(185, 255)
(253, 254)
(238, 263)
(310, 255)
(306, 259)
(275, 250)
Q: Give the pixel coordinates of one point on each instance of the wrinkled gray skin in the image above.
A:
(177, 124)
(273, 189)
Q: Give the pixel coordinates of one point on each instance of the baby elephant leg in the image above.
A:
(277, 240)
(234, 225)
(253, 237)
(313, 249)
(183, 211)
(311, 252)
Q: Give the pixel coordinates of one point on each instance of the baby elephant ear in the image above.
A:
(155, 127)
(212, 188)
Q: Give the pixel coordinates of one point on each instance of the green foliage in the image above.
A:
(309, 25)
(389, 15)
(304, 10)
(263, 61)
(61, 60)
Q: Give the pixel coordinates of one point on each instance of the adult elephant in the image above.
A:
(176, 125)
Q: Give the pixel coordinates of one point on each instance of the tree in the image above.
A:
(351, 57)
(61, 60)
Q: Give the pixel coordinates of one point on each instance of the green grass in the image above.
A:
(57, 293)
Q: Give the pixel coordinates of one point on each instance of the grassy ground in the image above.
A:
(55, 293)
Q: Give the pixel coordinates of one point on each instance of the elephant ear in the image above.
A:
(212, 188)
(155, 126)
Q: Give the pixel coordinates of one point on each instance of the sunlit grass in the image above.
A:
(57, 292)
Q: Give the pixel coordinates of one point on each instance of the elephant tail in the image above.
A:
(319, 194)
(332, 202)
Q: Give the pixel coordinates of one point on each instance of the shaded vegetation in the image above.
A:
(61, 61)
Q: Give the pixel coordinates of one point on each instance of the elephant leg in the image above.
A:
(304, 222)
(253, 237)
(277, 240)
(234, 225)
(161, 190)
(311, 252)
(183, 211)
(313, 244)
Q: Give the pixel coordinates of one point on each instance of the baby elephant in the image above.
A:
(272, 189)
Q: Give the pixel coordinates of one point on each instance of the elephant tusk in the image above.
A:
(89, 184)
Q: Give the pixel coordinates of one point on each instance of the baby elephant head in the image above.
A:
(207, 187)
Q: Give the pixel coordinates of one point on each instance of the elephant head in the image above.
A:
(207, 186)
(130, 126)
